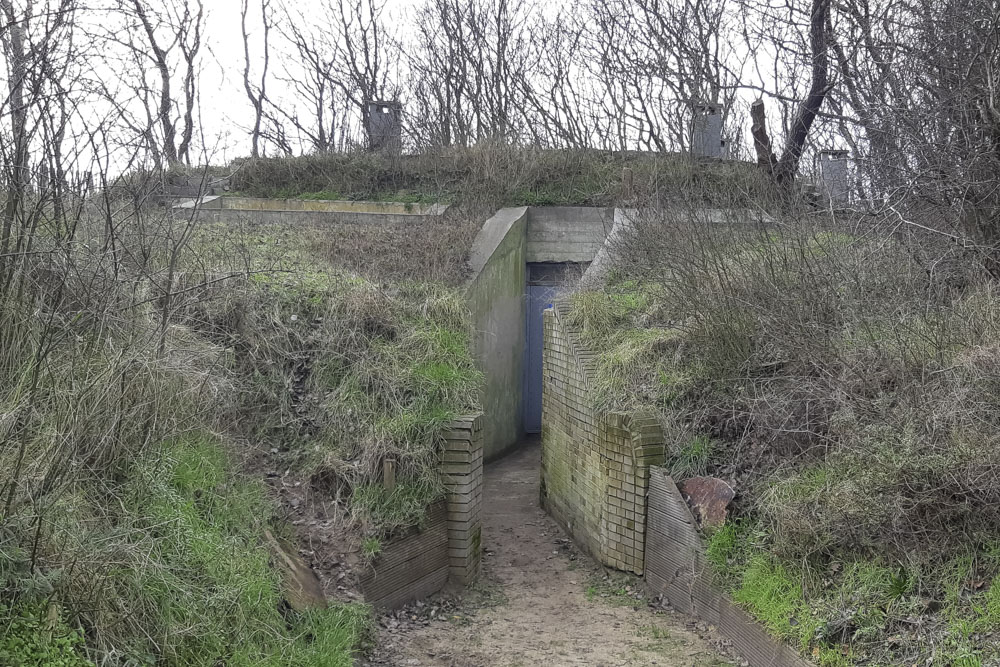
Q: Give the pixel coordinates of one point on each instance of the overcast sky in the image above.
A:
(226, 112)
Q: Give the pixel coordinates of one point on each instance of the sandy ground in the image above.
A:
(540, 602)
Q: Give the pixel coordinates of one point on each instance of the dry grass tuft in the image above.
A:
(487, 176)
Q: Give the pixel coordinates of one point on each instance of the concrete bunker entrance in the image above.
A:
(593, 466)
(522, 259)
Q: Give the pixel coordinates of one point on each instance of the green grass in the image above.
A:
(811, 605)
(692, 458)
(774, 597)
(38, 634)
(393, 197)
(321, 195)
(383, 512)
(723, 548)
(209, 591)
(371, 547)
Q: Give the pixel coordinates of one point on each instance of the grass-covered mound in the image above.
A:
(847, 385)
(147, 363)
(343, 372)
(128, 534)
(488, 176)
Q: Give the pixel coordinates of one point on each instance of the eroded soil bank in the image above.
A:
(540, 602)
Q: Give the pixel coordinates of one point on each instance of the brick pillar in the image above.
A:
(630, 444)
(462, 469)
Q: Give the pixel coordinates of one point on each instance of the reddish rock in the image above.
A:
(708, 498)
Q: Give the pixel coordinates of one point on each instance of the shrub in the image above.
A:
(857, 395)
(847, 383)
(36, 634)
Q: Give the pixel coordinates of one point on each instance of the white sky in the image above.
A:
(225, 109)
(225, 113)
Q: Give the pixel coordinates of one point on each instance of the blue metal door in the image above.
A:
(539, 298)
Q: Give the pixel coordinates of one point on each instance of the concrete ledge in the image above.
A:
(233, 216)
(490, 236)
(231, 203)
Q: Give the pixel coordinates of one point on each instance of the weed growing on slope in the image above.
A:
(490, 175)
(351, 373)
(381, 511)
(849, 398)
(186, 513)
(128, 538)
(37, 634)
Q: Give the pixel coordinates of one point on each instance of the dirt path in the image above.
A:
(546, 604)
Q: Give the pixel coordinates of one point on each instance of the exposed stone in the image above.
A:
(708, 498)
(300, 585)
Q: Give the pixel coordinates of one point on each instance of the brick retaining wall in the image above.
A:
(448, 546)
(462, 466)
(595, 467)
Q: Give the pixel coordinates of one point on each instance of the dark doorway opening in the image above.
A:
(545, 282)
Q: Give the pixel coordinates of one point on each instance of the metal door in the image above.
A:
(539, 298)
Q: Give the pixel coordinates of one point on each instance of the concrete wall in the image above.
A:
(706, 133)
(624, 220)
(833, 176)
(566, 233)
(495, 294)
(261, 204)
(595, 467)
(383, 122)
(297, 211)
(236, 216)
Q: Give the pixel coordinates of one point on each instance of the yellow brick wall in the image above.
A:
(595, 467)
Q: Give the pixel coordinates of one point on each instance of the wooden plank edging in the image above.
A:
(676, 568)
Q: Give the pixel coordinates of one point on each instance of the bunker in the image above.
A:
(519, 261)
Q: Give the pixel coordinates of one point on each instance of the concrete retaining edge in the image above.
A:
(676, 568)
(494, 293)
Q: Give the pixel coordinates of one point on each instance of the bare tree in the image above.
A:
(653, 61)
(18, 174)
(256, 92)
(785, 168)
(471, 65)
(338, 64)
(177, 24)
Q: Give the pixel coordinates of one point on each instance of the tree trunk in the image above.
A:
(766, 158)
(19, 170)
(788, 165)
